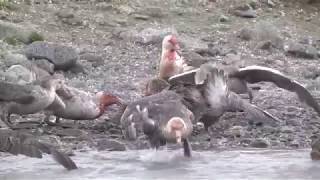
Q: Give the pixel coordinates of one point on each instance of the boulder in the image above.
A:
(63, 57)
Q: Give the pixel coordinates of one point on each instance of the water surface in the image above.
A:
(167, 164)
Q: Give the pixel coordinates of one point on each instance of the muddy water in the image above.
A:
(166, 164)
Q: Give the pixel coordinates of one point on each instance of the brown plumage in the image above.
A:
(27, 99)
(15, 142)
(161, 117)
(250, 74)
(205, 92)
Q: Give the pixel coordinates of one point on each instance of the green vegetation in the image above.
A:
(34, 36)
(4, 4)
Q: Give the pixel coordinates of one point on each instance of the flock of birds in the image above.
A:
(174, 101)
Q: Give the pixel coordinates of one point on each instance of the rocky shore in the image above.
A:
(114, 45)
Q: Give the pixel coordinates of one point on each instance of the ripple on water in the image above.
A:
(167, 164)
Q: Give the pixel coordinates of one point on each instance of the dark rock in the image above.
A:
(259, 143)
(77, 68)
(246, 34)
(155, 12)
(65, 14)
(141, 17)
(63, 57)
(103, 6)
(265, 45)
(45, 65)
(302, 51)
(193, 59)
(208, 51)
(110, 145)
(223, 18)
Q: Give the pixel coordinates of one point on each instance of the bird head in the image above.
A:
(170, 43)
(107, 99)
(176, 127)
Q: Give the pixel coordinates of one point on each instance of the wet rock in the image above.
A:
(19, 74)
(245, 11)
(259, 143)
(246, 34)
(315, 148)
(45, 65)
(110, 145)
(63, 57)
(302, 51)
(13, 33)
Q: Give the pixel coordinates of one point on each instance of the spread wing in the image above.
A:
(15, 92)
(254, 74)
(15, 142)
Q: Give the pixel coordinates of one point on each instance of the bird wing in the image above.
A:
(15, 142)
(254, 74)
(16, 92)
(236, 103)
(184, 78)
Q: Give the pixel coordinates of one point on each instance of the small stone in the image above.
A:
(110, 145)
(287, 129)
(141, 17)
(154, 12)
(246, 34)
(265, 45)
(45, 65)
(65, 14)
(302, 51)
(223, 18)
(245, 11)
(270, 3)
(259, 143)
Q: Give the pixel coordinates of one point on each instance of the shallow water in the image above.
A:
(165, 164)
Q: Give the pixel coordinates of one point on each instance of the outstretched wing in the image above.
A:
(15, 92)
(15, 142)
(254, 74)
(236, 103)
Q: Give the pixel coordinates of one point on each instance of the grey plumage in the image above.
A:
(15, 142)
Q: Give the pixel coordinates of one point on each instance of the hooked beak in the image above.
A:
(178, 136)
(176, 47)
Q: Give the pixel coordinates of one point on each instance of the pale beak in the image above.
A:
(176, 47)
(178, 136)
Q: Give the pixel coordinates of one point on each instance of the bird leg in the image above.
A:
(186, 148)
